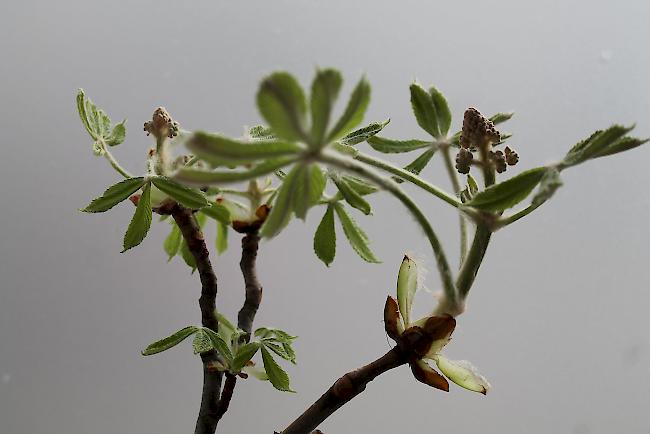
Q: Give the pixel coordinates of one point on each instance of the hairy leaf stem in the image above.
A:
(392, 187)
(453, 177)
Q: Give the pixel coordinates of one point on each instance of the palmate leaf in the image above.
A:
(309, 185)
(355, 235)
(281, 101)
(325, 237)
(221, 241)
(218, 212)
(244, 354)
(172, 243)
(424, 110)
(324, 92)
(141, 221)
(216, 148)
(509, 193)
(203, 177)
(282, 208)
(600, 144)
(549, 184)
(97, 122)
(354, 111)
(443, 114)
(114, 195)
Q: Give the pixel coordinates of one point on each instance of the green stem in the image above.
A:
(472, 263)
(453, 177)
(388, 184)
(505, 221)
(409, 176)
(115, 164)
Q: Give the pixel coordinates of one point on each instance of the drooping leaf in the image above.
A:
(226, 328)
(407, 285)
(188, 197)
(351, 196)
(218, 212)
(199, 177)
(275, 334)
(282, 208)
(114, 195)
(141, 221)
(187, 256)
(359, 185)
(389, 146)
(416, 166)
(281, 101)
(424, 110)
(221, 242)
(278, 378)
(355, 235)
(170, 341)
(244, 354)
(363, 134)
(216, 148)
(280, 350)
(442, 111)
(324, 92)
(310, 183)
(354, 111)
(325, 237)
(509, 193)
(173, 241)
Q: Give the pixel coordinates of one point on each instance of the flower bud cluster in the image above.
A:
(161, 124)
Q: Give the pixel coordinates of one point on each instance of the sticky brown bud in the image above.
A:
(391, 318)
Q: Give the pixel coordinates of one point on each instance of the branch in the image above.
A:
(246, 316)
(343, 390)
(207, 421)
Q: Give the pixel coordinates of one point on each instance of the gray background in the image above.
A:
(558, 319)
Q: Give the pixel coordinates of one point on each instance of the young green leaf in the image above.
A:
(359, 185)
(218, 212)
(501, 117)
(621, 145)
(595, 145)
(324, 92)
(282, 208)
(187, 256)
(407, 286)
(509, 193)
(188, 197)
(261, 132)
(389, 146)
(355, 235)
(424, 110)
(98, 124)
(442, 111)
(325, 237)
(416, 166)
(199, 177)
(141, 221)
(219, 344)
(363, 134)
(350, 195)
(244, 354)
(310, 183)
(279, 350)
(215, 148)
(279, 379)
(170, 341)
(221, 242)
(173, 242)
(114, 195)
(354, 111)
(281, 101)
(202, 342)
(472, 184)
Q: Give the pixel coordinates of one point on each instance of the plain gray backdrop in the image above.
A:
(557, 320)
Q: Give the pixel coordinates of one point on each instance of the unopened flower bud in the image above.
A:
(511, 156)
(478, 131)
(464, 160)
(499, 161)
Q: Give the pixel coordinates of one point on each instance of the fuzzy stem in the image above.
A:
(122, 171)
(410, 177)
(392, 187)
(453, 177)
